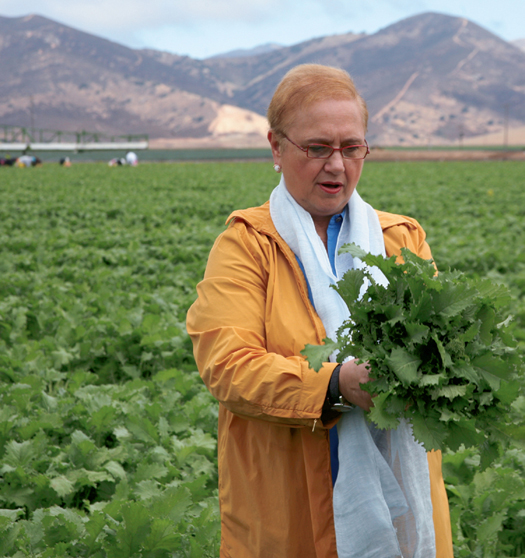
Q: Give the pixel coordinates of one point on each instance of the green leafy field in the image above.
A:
(107, 435)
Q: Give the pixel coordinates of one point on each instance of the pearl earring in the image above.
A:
(277, 168)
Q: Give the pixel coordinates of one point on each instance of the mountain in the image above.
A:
(61, 78)
(427, 79)
(520, 43)
(241, 52)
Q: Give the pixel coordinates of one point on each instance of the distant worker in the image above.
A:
(132, 159)
(117, 162)
(7, 161)
(28, 161)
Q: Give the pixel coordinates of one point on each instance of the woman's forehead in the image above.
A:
(327, 119)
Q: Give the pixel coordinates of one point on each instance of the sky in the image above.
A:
(203, 28)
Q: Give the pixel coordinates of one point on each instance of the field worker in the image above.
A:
(132, 159)
(117, 162)
(28, 161)
(291, 483)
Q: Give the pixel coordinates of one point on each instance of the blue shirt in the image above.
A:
(334, 228)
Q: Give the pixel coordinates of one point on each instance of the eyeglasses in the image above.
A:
(320, 151)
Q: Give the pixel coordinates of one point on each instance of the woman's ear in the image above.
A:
(275, 144)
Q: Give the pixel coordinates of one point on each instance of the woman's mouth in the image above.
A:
(331, 187)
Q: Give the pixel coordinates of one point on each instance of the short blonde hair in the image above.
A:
(307, 84)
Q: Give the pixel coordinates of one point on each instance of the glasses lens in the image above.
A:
(316, 151)
(354, 152)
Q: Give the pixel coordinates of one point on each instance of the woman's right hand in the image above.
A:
(350, 378)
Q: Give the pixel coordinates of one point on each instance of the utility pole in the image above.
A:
(506, 126)
(32, 114)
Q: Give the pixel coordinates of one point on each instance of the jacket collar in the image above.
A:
(259, 218)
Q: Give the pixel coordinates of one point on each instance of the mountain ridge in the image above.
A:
(431, 78)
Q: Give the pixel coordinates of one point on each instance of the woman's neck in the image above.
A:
(321, 227)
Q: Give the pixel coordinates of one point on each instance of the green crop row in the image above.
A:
(107, 435)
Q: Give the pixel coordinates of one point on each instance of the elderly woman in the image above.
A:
(265, 295)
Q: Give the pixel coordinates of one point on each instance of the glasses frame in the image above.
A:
(305, 150)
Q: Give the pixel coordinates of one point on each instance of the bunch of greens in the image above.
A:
(439, 350)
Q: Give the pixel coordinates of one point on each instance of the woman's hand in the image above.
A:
(350, 376)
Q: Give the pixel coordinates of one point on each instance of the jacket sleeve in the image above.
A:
(228, 325)
(403, 232)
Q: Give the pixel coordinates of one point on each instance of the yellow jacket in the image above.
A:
(248, 325)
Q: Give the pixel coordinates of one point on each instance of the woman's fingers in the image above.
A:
(350, 378)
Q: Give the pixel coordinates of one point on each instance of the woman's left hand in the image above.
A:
(350, 378)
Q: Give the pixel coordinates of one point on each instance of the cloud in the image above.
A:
(202, 28)
(128, 14)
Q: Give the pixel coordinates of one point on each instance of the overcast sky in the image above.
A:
(202, 28)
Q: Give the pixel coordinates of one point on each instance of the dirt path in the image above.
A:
(444, 155)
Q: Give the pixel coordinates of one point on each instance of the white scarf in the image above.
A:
(382, 505)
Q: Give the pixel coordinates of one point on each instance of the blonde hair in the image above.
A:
(307, 84)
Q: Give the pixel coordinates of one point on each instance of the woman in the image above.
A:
(264, 296)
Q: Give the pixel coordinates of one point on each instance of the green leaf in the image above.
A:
(498, 294)
(493, 365)
(380, 415)
(448, 415)
(422, 308)
(94, 528)
(142, 428)
(464, 370)
(147, 489)
(349, 287)
(404, 365)
(318, 355)
(424, 267)
(431, 379)
(150, 471)
(102, 418)
(62, 486)
(172, 504)
(162, 537)
(9, 534)
(20, 454)
(470, 333)
(354, 250)
(12, 515)
(508, 392)
(166, 375)
(488, 528)
(463, 433)
(151, 323)
(487, 318)
(453, 299)
(116, 469)
(131, 534)
(85, 477)
(445, 357)
(417, 332)
(450, 392)
(431, 432)
(489, 453)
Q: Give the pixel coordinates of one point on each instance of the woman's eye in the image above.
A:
(319, 150)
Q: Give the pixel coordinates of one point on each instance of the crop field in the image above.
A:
(107, 434)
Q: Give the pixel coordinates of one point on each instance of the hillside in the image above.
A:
(72, 80)
(428, 79)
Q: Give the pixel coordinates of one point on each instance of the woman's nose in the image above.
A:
(335, 163)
